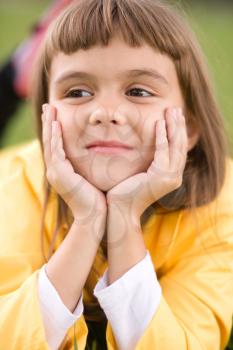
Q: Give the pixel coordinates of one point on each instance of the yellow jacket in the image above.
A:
(192, 256)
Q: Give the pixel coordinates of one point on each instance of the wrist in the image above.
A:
(93, 216)
(116, 212)
(94, 227)
(122, 222)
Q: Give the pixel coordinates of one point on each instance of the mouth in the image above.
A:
(108, 149)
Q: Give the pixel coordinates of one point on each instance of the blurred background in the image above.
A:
(211, 20)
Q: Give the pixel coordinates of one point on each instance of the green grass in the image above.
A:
(214, 29)
(16, 19)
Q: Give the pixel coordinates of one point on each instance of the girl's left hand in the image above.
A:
(133, 195)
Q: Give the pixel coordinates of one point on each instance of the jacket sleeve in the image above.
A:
(21, 322)
(132, 299)
(21, 325)
(57, 318)
(196, 307)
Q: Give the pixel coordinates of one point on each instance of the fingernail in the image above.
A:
(54, 126)
(44, 107)
(174, 113)
(163, 124)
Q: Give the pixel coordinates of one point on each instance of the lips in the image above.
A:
(108, 148)
(110, 144)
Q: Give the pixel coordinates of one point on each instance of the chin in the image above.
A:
(103, 186)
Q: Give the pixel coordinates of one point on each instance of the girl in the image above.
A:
(131, 180)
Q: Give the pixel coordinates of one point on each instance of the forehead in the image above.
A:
(110, 61)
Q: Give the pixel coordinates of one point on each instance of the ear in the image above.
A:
(193, 132)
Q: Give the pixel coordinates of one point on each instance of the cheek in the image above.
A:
(65, 112)
(146, 133)
(149, 144)
(67, 115)
(71, 130)
(146, 128)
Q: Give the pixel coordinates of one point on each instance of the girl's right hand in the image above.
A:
(86, 202)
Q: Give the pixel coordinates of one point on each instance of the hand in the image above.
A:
(133, 195)
(84, 200)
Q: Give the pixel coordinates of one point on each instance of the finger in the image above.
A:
(57, 150)
(184, 134)
(170, 116)
(184, 137)
(161, 157)
(178, 149)
(172, 131)
(48, 116)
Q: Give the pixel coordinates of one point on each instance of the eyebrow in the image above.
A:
(133, 73)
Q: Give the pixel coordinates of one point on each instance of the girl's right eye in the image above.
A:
(76, 93)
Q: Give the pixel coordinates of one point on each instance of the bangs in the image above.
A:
(87, 23)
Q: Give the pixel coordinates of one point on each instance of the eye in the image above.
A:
(76, 93)
(138, 90)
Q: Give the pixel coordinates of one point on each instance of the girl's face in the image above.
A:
(113, 93)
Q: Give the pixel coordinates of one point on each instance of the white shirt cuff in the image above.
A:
(130, 302)
(57, 318)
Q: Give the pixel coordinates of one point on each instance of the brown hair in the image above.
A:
(90, 22)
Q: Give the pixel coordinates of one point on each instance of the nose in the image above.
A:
(102, 115)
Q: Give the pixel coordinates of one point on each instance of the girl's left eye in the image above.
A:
(138, 90)
(76, 93)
